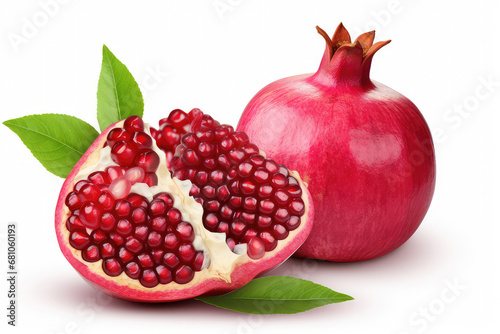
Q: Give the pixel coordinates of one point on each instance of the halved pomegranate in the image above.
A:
(136, 233)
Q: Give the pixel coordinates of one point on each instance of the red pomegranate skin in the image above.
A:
(364, 149)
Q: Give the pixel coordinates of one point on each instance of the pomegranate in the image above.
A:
(364, 149)
(135, 233)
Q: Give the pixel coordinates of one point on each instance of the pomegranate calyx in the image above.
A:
(346, 62)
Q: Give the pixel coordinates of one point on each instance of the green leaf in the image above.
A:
(118, 94)
(57, 141)
(277, 295)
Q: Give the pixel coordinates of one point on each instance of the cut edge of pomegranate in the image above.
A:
(211, 280)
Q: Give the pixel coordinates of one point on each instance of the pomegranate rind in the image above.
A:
(205, 282)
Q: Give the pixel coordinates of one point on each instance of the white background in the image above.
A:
(441, 55)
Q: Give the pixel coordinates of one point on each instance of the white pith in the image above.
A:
(219, 261)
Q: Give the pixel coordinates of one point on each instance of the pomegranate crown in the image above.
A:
(345, 61)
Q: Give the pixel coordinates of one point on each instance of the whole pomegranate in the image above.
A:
(136, 233)
(364, 149)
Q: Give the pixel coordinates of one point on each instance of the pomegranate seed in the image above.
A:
(251, 149)
(292, 181)
(91, 254)
(292, 223)
(165, 197)
(145, 260)
(265, 190)
(106, 201)
(249, 234)
(133, 245)
(98, 236)
(226, 212)
(154, 239)
(171, 260)
(123, 153)
(116, 238)
(137, 201)
(280, 232)
(186, 252)
(89, 192)
(133, 123)
(282, 215)
(107, 250)
(115, 172)
(171, 241)
(237, 155)
(256, 248)
(184, 274)
(135, 175)
(235, 201)
(248, 218)
(108, 221)
(223, 227)
(141, 232)
(133, 270)
(116, 135)
(240, 138)
(237, 228)
(74, 223)
(178, 117)
(79, 240)
(245, 169)
(123, 208)
(149, 279)
(209, 192)
(297, 207)
(124, 227)
(73, 201)
(142, 140)
(149, 161)
(189, 140)
(217, 177)
(250, 204)
(157, 255)
(261, 175)
(198, 261)
(139, 215)
(269, 241)
(294, 190)
(90, 215)
(230, 243)
(125, 255)
(223, 193)
(212, 206)
(185, 232)
(99, 178)
(157, 207)
(164, 275)
(281, 197)
(211, 222)
(247, 188)
(266, 207)
(279, 181)
(158, 224)
(201, 178)
(151, 179)
(264, 222)
(80, 184)
(120, 187)
(111, 267)
(174, 216)
(271, 166)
